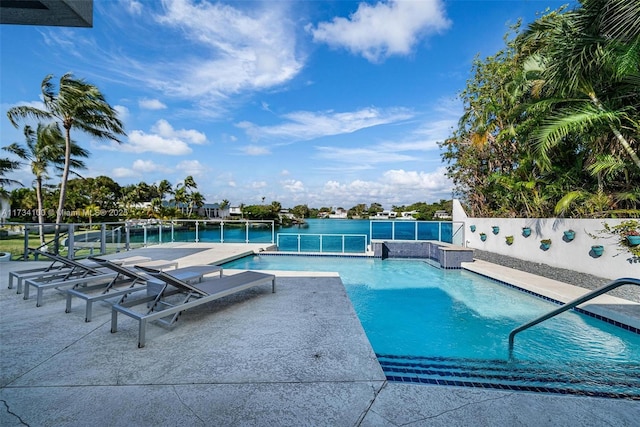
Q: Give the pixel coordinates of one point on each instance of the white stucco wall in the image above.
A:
(574, 255)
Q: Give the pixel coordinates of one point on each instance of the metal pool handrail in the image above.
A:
(571, 304)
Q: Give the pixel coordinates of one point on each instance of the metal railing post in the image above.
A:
(70, 242)
(321, 246)
(221, 231)
(26, 242)
(197, 236)
(103, 238)
(159, 233)
(298, 243)
(127, 237)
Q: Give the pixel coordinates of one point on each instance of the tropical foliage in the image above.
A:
(75, 105)
(551, 123)
(44, 148)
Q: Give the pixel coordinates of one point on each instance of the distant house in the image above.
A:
(340, 213)
(208, 210)
(235, 212)
(441, 214)
(212, 210)
(284, 213)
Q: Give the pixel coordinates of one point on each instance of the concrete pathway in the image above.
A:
(298, 357)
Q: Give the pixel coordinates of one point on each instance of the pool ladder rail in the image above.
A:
(571, 304)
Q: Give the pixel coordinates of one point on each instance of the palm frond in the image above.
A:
(607, 165)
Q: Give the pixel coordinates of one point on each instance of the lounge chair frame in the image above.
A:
(132, 281)
(60, 267)
(194, 295)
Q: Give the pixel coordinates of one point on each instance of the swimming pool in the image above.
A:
(429, 325)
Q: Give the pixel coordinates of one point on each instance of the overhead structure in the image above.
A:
(61, 13)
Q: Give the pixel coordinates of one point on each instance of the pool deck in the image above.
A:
(294, 358)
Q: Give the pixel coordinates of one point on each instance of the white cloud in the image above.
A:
(363, 156)
(247, 49)
(140, 142)
(146, 166)
(255, 150)
(123, 173)
(151, 104)
(164, 129)
(192, 167)
(417, 180)
(383, 29)
(293, 186)
(163, 139)
(306, 125)
(256, 185)
(134, 7)
(397, 187)
(123, 112)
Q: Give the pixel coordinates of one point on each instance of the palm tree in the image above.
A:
(76, 105)
(180, 198)
(6, 166)
(196, 199)
(44, 147)
(590, 65)
(164, 187)
(190, 183)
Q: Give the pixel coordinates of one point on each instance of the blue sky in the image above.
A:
(325, 103)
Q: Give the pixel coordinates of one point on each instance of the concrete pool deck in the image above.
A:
(296, 357)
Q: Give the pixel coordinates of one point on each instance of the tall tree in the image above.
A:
(6, 166)
(45, 147)
(589, 61)
(76, 105)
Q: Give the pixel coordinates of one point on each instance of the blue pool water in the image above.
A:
(451, 326)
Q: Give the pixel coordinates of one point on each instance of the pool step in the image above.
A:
(570, 378)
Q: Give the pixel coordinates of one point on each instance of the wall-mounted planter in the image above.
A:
(545, 244)
(495, 229)
(483, 237)
(509, 240)
(569, 235)
(633, 240)
(597, 250)
(526, 231)
(473, 228)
